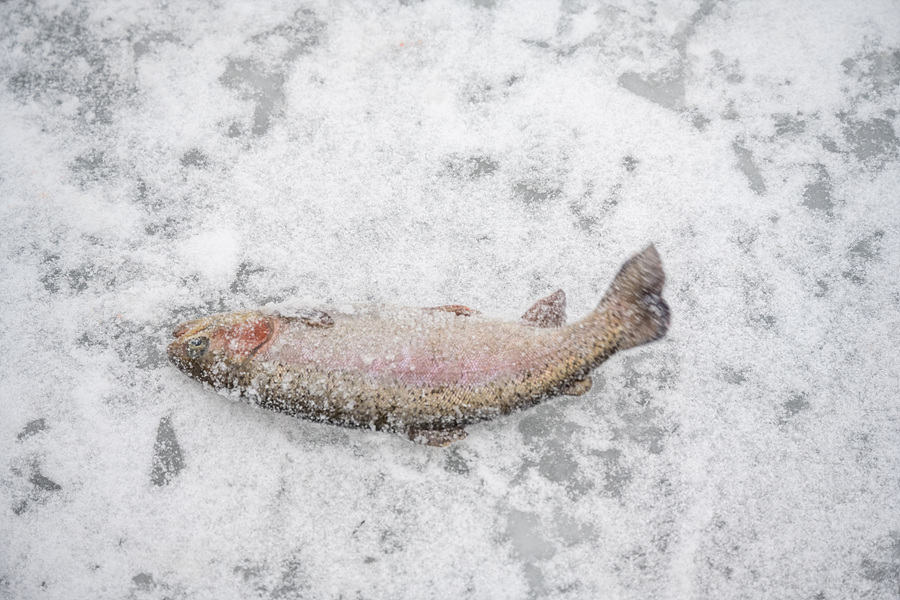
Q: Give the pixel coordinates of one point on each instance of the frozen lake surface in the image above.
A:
(162, 161)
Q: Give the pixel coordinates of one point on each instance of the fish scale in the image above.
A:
(423, 372)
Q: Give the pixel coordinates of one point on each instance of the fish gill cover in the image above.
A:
(164, 161)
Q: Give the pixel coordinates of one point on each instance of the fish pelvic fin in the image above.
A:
(577, 388)
(635, 299)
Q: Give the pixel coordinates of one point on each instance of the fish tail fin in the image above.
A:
(635, 299)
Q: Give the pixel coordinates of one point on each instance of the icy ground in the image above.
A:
(165, 160)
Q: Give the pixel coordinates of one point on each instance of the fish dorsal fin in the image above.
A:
(549, 311)
(310, 317)
(456, 309)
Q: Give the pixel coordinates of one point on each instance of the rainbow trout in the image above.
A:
(423, 372)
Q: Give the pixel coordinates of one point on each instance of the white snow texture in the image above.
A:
(161, 161)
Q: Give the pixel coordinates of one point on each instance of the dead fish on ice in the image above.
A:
(425, 372)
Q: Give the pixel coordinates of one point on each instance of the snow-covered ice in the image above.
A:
(166, 160)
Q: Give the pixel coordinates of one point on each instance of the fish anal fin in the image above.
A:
(577, 388)
(549, 311)
(456, 309)
(310, 317)
(437, 437)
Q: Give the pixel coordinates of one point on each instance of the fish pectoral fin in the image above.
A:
(549, 311)
(311, 317)
(456, 309)
(577, 388)
(437, 437)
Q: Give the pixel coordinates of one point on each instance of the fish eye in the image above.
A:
(197, 346)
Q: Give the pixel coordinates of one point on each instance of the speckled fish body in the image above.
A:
(423, 372)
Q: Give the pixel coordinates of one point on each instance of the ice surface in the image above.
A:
(161, 161)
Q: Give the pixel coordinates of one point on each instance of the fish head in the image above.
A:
(215, 349)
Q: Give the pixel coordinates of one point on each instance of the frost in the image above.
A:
(165, 161)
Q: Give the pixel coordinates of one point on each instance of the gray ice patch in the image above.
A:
(195, 158)
(56, 279)
(527, 537)
(472, 167)
(145, 585)
(557, 464)
(42, 488)
(299, 34)
(242, 281)
(882, 567)
(32, 428)
(748, 167)
(817, 194)
(64, 59)
(44, 483)
(555, 445)
(863, 252)
(871, 141)
(148, 42)
(731, 69)
(262, 83)
(288, 579)
(733, 376)
(698, 119)
(616, 476)
(879, 71)
(583, 220)
(131, 342)
(255, 81)
(534, 194)
(689, 26)
(570, 531)
(665, 89)
(168, 460)
(92, 166)
(796, 404)
(787, 125)
(293, 580)
(482, 165)
(143, 581)
(454, 462)
(867, 248)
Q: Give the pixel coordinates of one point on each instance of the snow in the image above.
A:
(163, 161)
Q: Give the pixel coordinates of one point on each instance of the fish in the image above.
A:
(425, 373)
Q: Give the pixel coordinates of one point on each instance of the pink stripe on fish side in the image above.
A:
(417, 361)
